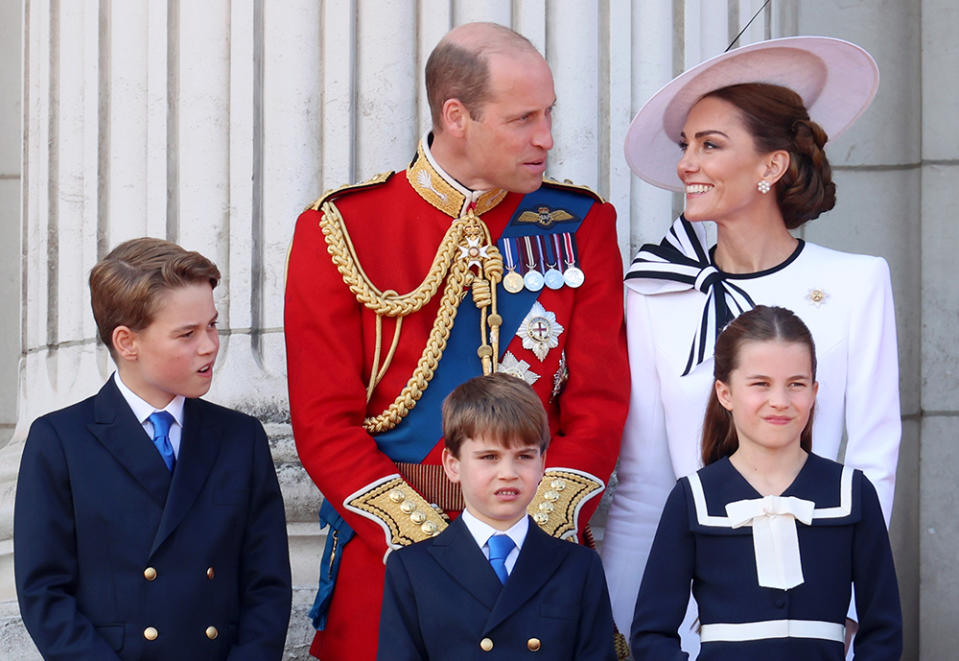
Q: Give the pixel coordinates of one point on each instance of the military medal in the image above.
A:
(573, 275)
(512, 281)
(554, 279)
(533, 279)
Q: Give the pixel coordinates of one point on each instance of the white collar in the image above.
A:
(482, 531)
(142, 409)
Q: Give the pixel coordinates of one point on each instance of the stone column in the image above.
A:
(214, 124)
(937, 525)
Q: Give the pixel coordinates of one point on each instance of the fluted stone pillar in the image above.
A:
(215, 123)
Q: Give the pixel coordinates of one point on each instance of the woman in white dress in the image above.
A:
(743, 135)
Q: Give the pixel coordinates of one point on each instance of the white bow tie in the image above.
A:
(775, 542)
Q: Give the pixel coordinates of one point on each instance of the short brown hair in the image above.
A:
(126, 285)
(458, 67)
(777, 119)
(498, 407)
(761, 324)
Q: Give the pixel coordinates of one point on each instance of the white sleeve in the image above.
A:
(873, 422)
(645, 471)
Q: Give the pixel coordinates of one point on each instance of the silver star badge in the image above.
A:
(539, 331)
(518, 368)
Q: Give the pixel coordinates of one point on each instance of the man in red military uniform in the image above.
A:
(402, 287)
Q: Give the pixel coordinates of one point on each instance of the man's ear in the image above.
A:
(454, 117)
(451, 465)
(125, 343)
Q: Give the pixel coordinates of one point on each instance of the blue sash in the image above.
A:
(420, 430)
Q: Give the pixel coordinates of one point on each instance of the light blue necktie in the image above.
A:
(161, 437)
(499, 548)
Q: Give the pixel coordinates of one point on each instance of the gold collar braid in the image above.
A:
(466, 244)
(434, 186)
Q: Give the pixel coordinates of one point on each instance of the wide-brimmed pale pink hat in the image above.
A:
(836, 79)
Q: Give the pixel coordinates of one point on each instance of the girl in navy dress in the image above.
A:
(772, 537)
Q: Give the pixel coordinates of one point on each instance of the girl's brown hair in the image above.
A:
(761, 324)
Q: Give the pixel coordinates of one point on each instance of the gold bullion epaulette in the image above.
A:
(375, 180)
(569, 185)
(404, 515)
(561, 494)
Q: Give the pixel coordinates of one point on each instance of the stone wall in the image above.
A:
(213, 124)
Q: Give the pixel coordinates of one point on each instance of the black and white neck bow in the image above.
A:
(680, 262)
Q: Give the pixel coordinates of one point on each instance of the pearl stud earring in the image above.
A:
(763, 186)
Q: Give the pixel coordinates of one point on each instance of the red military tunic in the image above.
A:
(394, 226)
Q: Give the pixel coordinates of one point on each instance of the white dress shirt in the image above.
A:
(481, 532)
(143, 410)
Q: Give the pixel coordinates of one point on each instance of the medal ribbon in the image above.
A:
(557, 251)
(568, 243)
(508, 254)
(542, 258)
(530, 257)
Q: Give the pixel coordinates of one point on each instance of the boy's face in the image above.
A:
(174, 355)
(498, 483)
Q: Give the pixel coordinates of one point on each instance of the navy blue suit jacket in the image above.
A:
(442, 599)
(108, 544)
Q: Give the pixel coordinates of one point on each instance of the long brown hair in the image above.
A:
(761, 324)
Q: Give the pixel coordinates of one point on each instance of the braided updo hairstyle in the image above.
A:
(777, 119)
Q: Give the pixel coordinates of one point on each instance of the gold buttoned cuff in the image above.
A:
(400, 510)
(558, 499)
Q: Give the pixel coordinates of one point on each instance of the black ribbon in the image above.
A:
(682, 258)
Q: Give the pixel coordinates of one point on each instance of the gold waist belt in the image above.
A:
(431, 481)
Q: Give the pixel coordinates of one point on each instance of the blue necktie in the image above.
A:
(161, 436)
(499, 548)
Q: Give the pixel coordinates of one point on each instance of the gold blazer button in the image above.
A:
(150, 633)
(533, 644)
(486, 645)
(212, 633)
(210, 573)
(150, 574)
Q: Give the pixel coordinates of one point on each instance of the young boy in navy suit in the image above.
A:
(492, 584)
(149, 523)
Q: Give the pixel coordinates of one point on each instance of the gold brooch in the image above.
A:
(817, 297)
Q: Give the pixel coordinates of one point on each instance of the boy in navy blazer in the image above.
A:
(493, 585)
(148, 523)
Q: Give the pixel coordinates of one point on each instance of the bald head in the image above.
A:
(458, 68)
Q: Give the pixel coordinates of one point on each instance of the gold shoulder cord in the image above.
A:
(468, 236)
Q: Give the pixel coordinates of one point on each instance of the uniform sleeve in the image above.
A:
(664, 594)
(400, 636)
(645, 470)
(873, 422)
(879, 637)
(595, 637)
(45, 554)
(265, 584)
(324, 351)
(595, 398)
